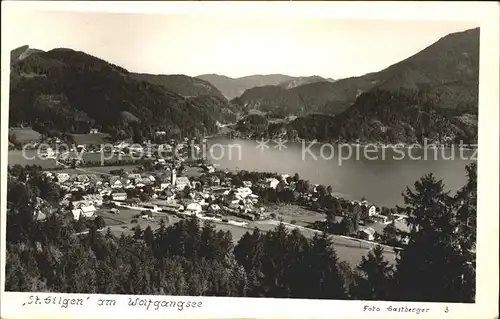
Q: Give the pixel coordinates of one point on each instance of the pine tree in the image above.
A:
(322, 273)
(375, 275)
(432, 266)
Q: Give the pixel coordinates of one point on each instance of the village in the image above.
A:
(166, 190)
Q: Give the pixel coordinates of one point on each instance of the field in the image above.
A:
(349, 250)
(96, 169)
(30, 157)
(193, 172)
(121, 223)
(25, 135)
(90, 139)
(17, 157)
(302, 216)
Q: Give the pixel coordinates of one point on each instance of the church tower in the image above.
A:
(173, 177)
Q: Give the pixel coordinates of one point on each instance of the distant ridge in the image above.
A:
(449, 68)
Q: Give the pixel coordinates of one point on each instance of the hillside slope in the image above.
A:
(69, 91)
(234, 87)
(181, 84)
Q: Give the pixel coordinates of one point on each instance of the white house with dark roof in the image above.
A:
(119, 196)
(62, 177)
(181, 182)
(88, 211)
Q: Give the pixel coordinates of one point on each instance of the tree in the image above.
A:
(329, 189)
(137, 232)
(296, 177)
(433, 267)
(347, 226)
(323, 275)
(186, 192)
(321, 190)
(148, 236)
(374, 281)
(99, 222)
(390, 235)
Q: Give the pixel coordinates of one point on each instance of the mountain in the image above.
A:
(432, 95)
(406, 116)
(378, 116)
(21, 53)
(448, 68)
(304, 80)
(181, 84)
(278, 101)
(234, 87)
(67, 91)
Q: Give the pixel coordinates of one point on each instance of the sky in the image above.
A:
(234, 46)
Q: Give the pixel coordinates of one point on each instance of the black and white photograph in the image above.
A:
(197, 155)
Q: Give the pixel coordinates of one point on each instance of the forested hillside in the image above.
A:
(68, 91)
(447, 71)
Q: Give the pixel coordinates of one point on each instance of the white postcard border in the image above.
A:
(487, 247)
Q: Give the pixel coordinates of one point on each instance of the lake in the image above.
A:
(380, 175)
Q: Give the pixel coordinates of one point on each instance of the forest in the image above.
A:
(402, 116)
(66, 91)
(193, 258)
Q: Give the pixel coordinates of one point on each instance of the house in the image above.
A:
(40, 215)
(105, 192)
(168, 195)
(181, 182)
(114, 181)
(134, 176)
(272, 182)
(93, 131)
(47, 174)
(367, 233)
(214, 180)
(135, 148)
(82, 178)
(79, 203)
(119, 196)
(62, 177)
(209, 168)
(247, 184)
(214, 208)
(243, 192)
(372, 211)
(194, 208)
(380, 218)
(88, 211)
(76, 213)
(92, 199)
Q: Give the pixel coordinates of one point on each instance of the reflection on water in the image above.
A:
(380, 176)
